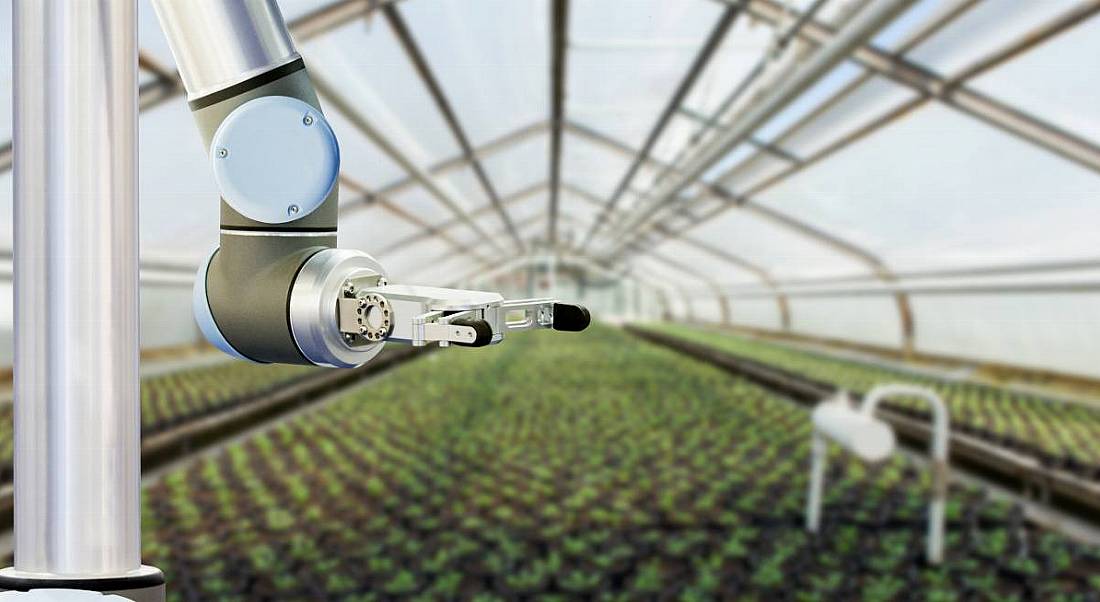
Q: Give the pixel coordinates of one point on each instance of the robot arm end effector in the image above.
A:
(277, 290)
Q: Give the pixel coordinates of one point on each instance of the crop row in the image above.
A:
(593, 467)
(171, 399)
(1063, 435)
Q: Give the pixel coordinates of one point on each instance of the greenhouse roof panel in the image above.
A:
(1055, 80)
(985, 29)
(955, 191)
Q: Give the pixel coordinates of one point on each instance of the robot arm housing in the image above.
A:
(277, 289)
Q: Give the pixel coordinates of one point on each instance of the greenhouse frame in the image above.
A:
(813, 198)
(485, 179)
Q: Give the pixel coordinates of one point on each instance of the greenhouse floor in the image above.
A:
(560, 468)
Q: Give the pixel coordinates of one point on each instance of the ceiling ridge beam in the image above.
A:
(559, 55)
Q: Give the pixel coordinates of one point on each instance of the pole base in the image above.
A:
(143, 585)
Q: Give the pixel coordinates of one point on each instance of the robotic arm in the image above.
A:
(277, 289)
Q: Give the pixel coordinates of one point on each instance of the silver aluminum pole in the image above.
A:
(77, 412)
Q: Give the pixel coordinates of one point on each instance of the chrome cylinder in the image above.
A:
(77, 413)
(217, 43)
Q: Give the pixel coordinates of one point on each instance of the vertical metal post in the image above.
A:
(941, 441)
(77, 412)
(818, 455)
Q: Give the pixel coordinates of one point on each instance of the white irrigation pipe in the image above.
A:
(940, 438)
(872, 440)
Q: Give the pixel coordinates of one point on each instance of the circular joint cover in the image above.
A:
(314, 297)
(275, 159)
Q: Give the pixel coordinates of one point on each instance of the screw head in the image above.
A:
(293, 210)
(222, 153)
(308, 120)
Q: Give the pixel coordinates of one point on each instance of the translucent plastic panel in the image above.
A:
(871, 320)
(676, 135)
(1042, 331)
(640, 51)
(829, 84)
(293, 9)
(370, 67)
(754, 171)
(6, 305)
(579, 207)
(6, 207)
(5, 71)
(522, 213)
(464, 182)
(166, 317)
(522, 165)
(715, 268)
(150, 37)
(756, 313)
(656, 271)
(425, 205)
(179, 200)
(373, 229)
(491, 58)
(938, 188)
(6, 342)
(592, 166)
(732, 159)
(706, 309)
(528, 209)
(984, 30)
(359, 158)
(533, 230)
(444, 273)
(1050, 81)
(403, 265)
(903, 27)
(866, 103)
(781, 251)
(742, 48)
